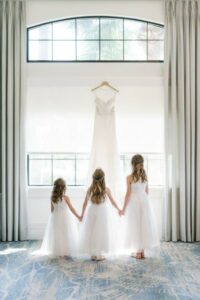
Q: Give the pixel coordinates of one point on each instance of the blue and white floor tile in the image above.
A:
(175, 274)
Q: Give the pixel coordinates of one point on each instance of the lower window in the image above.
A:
(44, 168)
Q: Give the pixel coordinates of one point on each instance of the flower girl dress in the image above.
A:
(61, 234)
(140, 226)
(95, 233)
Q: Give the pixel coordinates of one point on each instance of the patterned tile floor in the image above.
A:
(174, 274)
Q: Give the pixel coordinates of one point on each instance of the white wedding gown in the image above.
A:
(105, 155)
(104, 152)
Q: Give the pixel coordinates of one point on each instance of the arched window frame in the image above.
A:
(99, 40)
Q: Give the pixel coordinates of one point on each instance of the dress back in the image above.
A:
(138, 187)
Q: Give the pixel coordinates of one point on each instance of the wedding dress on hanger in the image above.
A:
(104, 152)
(105, 155)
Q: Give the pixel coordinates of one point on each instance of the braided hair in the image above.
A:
(138, 172)
(98, 187)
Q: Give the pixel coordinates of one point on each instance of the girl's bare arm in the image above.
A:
(67, 200)
(85, 203)
(108, 192)
(147, 188)
(128, 192)
(52, 208)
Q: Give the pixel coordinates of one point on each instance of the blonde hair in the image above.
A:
(58, 191)
(98, 187)
(138, 172)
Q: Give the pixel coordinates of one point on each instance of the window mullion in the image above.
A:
(52, 41)
(123, 39)
(76, 39)
(37, 35)
(99, 39)
(147, 41)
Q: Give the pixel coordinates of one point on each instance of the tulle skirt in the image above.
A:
(140, 226)
(61, 235)
(95, 231)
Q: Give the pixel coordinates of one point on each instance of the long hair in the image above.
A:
(58, 191)
(138, 171)
(98, 187)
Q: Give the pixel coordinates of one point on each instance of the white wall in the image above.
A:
(60, 106)
(61, 118)
(42, 11)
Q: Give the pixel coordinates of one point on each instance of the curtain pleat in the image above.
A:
(13, 167)
(197, 207)
(182, 130)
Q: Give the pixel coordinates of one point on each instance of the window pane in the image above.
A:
(42, 32)
(64, 156)
(81, 174)
(96, 39)
(135, 50)
(88, 28)
(39, 156)
(82, 156)
(64, 169)
(111, 50)
(156, 172)
(135, 30)
(111, 28)
(88, 50)
(126, 166)
(40, 50)
(155, 32)
(157, 156)
(63, 50)
(156, 50)
(64, 30)
(40, 172)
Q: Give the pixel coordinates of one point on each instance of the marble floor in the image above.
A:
(174, 274)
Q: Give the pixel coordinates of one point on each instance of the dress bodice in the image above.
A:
(60, 205)
(105, 107)
(138, 187)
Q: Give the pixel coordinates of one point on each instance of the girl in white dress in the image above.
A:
(95, 239)
(140, 232)
(60, 238)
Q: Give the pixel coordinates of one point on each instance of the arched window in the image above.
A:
(96, 39)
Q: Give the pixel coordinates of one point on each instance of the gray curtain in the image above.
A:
(13, 221)
(182, 127)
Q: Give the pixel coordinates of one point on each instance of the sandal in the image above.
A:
(137, 255)
(142, 254)
(100, 258)
(93, 257)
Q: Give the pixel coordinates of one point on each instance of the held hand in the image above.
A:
(80, 218)
(119, 211)
(122, 212)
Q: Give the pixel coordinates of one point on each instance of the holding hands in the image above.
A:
(121, 212)
(80, 218)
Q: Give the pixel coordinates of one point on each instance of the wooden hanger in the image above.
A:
(104, 83)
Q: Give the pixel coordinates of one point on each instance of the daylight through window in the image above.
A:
(97, 39)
